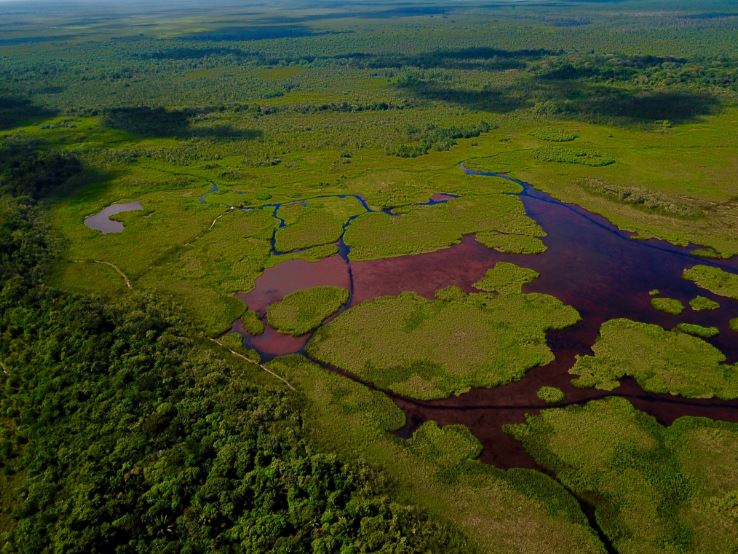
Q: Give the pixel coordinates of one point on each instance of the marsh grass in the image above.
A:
(437, 468)
(671, 362)
(714, 279)
(318, 222)
(302, 311)
(654, 488)
(552, 395)
(700, 303)
(698, 330)
(506, 277)
(251, 322)
(434, 348)
(498, 219)
(667, 305)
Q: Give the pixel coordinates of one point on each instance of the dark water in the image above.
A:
(589, 264)
(213, 188)
(101, 221)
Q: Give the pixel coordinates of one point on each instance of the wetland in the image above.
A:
(449, 277)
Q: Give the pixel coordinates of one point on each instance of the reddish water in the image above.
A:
(589, 264)
(271, 343)
(293, 275)
(441, 197)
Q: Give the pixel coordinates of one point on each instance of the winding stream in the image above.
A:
(589, 264)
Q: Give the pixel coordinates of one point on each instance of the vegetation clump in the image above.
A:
(512, 243)
(668, 305)
(698, 330)
(642, 198)
(427, 349)
(302, 311)
(551, 395)
(436, 138)
(714, 279)
(701, 303)
(446, 447)
(553, 134)
(572, 156)
(734, 324)
(661, 361)
(506, 277)
(251, 323)
(654, 487)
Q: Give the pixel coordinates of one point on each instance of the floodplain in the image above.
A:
(489, 252)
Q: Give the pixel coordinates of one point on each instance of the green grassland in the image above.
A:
(639, 192)
(205, 273)
(304, 116)
(302, 311)
(437, 468)
(714, 279)
(661, 361)
(427, 349)
(320, 223)
(304, 150)
(655, 488)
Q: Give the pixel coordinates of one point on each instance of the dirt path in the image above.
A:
(262, 366)
(118, 270)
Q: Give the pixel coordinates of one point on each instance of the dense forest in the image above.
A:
(122, 432)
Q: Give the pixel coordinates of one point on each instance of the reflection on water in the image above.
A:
(101, 221)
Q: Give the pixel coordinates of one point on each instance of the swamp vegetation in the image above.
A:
(352, 182)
